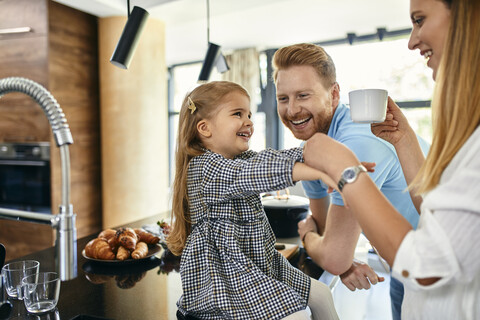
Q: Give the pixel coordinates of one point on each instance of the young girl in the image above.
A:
(229, 266)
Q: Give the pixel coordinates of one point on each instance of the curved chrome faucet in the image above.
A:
(64, 221)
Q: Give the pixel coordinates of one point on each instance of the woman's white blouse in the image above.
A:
(446, 245)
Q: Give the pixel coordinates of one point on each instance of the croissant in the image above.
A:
(107, 234)
(146, 237)
(98, 248)
(127, 238)
(140, 251)
(113, 243)
(122, 253)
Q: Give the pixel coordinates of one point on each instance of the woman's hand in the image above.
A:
(395, 127)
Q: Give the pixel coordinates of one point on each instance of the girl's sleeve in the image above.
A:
(250, 173)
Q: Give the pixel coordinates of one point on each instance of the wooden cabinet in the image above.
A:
(25, 55)
(134, 126)
(61, 53)
(24, 13)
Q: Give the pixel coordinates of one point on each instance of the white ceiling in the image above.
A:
(263, 24)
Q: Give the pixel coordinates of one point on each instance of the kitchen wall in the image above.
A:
(118, 124)
(134, 126)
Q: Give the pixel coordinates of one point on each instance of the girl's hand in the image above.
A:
(395, 127)
(370, 166)
(332, 157)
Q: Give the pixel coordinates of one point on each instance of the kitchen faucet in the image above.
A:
(64, 221)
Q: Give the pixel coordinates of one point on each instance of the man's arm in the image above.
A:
(319, 208)
(334, 250)
(358, 275)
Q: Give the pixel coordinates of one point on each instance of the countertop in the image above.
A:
(143, 290)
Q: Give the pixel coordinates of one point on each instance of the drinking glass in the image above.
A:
(41, 292)
(13, 274)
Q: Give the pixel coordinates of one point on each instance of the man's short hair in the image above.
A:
(306, 54)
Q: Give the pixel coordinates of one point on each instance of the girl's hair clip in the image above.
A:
(191, 106)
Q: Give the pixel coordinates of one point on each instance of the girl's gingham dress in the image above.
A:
(229, 266)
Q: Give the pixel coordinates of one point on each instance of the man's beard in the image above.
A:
(306, 134)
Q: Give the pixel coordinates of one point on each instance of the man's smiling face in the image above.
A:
(303, 103)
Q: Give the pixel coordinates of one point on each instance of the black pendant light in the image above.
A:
(122, 56)
(214, 56)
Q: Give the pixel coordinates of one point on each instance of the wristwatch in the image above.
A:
(349, 175)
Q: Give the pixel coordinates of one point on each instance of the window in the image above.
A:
(183, 79)
(388, 65)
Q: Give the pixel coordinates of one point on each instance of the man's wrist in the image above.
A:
(305, 236)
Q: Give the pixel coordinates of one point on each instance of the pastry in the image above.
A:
(146, 237)
(140, 251)
(98, 248)
(122, 253)
(127, 238)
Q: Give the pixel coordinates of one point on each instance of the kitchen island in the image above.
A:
(147, 289)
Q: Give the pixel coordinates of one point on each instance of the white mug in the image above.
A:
(368, 105)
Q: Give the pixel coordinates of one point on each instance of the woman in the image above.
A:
(439, 263)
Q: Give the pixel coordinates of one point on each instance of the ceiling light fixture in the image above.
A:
(123, 53)
(214, 56)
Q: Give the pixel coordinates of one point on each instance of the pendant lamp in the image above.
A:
(214, 56)
(123, 53)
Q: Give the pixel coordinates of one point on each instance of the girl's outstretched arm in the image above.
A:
(301, 171)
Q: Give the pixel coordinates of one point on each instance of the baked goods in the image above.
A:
(122, 253)
(127, 238)
(146, 237)
(98, 248)
(121, 244)
(107, 234)
(140, 251)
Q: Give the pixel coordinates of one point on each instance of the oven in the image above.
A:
(25, 176)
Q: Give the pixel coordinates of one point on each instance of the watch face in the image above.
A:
(349, 175)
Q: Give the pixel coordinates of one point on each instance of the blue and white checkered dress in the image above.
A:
(229, 266)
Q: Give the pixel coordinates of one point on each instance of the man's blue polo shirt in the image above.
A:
(388, 175)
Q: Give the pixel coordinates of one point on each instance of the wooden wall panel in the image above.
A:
(23, 55)
(133, 125)
(73, 74)
(60, 54)
(21, 118)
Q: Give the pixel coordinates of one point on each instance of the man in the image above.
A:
(308, 101)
